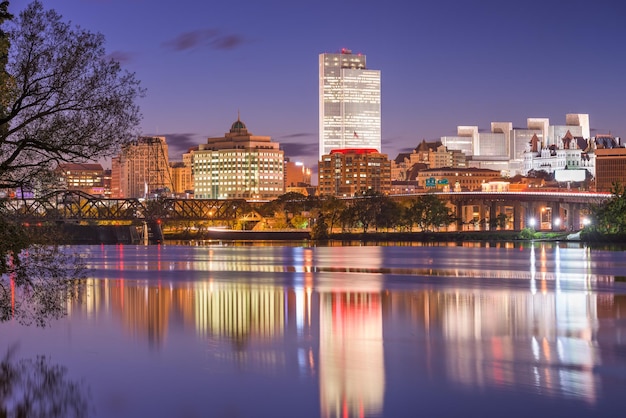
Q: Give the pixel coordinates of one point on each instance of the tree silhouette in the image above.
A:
(61, 99)
(35, 388)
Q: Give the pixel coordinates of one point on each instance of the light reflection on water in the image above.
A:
(368, 323)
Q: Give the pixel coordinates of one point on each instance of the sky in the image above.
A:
(443, 63)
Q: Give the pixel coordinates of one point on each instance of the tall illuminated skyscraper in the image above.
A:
(349, 113)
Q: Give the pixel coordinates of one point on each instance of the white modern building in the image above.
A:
(238, 165)
(507, 148)
(349, 103)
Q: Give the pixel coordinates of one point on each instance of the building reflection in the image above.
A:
(544, 340)
(239, 312)
(541, 331)
(352, 369)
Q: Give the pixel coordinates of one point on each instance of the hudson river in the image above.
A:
(343, 331)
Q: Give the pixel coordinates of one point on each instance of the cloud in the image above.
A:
(297, 135)
(121, 56)
(227, 42)
(211, 38)
(405, 150)
(298, 149)
(179, 143)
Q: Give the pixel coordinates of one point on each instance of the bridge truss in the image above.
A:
(75, 206)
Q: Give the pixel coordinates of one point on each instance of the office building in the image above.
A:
(87, 178)
(347, 172)
(181, 179)
(142, 169)
(349, 103)
(238, 165)
(296, 174)
(465, 140)
(610, 168)
(443, 157)
(456, 179)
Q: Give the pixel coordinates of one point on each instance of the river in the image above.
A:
(242, 330)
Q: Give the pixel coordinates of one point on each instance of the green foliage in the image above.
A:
(389, 214)
(528, 233)
(367, 208)
(499, 221)
(429, 213)
(609, 217)
(319, 231)
(330, 208)
(299, 221)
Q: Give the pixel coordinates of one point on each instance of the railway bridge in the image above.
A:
(76, 206)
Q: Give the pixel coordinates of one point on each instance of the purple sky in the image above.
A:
(443, 63)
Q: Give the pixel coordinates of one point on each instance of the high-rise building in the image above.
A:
(238, 165)
(349, 103)
(142, 169)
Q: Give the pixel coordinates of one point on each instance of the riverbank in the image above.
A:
(110, 234)
(296, 235)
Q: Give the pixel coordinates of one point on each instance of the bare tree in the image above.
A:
(62, 98)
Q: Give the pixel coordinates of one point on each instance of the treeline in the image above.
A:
(368, 212)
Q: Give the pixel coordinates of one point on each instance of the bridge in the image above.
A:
(547, 209)
(540, 209)
(76, 206)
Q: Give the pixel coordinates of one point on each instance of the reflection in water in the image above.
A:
(36, 388)
(538, 337)
(486, 334)
(352, 370)
(239, 312)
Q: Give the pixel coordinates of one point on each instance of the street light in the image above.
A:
(532, 222)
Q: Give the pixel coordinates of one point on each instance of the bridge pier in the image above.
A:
(493, 214)
(517, 216)
(459, 216)
(482, 218)
(572, 211)
(555, 216)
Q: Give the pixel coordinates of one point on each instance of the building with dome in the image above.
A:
(238, 165)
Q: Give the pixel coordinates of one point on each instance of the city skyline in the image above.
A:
(442, 65)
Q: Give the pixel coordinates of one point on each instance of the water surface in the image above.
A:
(350, 331)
